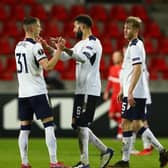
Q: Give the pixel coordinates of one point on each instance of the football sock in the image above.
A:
(51, 143)
(23, 145)
(127, 145)
(83, 143)
(97, 142)
(133, 140)
(146, 142)
(149, 135)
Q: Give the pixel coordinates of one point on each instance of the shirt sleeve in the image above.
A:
(65, 56)
(38, 52)
(87, 52)
(136, 55)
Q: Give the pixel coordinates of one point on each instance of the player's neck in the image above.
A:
(134, 37)
(86, 34)
(28, 35)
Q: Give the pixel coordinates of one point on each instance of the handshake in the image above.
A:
(55, 43)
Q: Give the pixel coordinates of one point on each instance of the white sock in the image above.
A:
(23, 145)
(127, 146)
(146, 142)
(51, 143)
(149, 135)
(83, 143)
(97, 142)
(133, 140)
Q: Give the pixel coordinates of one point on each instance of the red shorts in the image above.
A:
(115, 106)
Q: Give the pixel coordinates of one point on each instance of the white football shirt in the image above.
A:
(87, 53)
(31, 81)
(134, 54)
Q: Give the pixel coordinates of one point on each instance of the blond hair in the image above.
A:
(135, 21)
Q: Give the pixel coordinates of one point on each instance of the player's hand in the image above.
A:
(105, 96)
(60, 44)
(42, 41)
(120, 96)
(131, 100)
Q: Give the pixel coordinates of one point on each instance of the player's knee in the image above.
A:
(25, 127)
(49, 124)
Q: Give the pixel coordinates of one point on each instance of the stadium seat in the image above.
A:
(29, 2)
(163, 46)
(120, 43)
(10, 2)
(59, 12)
(4, 15)
(60, 67)
(139, 11)
(40, 12)
(111, 30)
(18, 12)
(51, 28)
(153, 75)
(118, 13)
(76, 10)
(67, 30)
(152, 30)
(1, 67)
(107, 46)
(149, 47)
(13, 30)
(95, 30)
(158, 64)
(103, 69)
(10, 65)
(5, 47)
(98, 12)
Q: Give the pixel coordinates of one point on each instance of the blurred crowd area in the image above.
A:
(57, 20)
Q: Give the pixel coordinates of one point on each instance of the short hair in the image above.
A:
(30, 20)
(135, 21)
(85, 19)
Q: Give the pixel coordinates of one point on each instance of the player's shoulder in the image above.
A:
(134, 42)
(92, 38)
(30, 40)
(94, 41)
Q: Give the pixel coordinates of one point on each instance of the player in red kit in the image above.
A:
(114, 85)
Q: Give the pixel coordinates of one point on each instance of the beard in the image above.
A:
(79, 34)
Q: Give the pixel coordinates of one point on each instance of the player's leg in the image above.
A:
(106, 153)
(26, 116)
(43, 111)
(146, 132)
(79, 124)
(128, 115)
(146, 142)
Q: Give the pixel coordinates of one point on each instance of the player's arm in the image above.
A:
(79, 57)
(50, 64)
(120, 94)
(46, 46)
(135, 77)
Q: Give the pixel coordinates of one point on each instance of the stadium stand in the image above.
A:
(56, 20)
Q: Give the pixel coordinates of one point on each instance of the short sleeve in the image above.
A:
(89, 49)
(136, 55)
(38, 52)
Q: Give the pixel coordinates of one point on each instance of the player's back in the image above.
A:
(29, 72)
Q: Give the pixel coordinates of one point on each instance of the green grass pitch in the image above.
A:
(68, 152)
